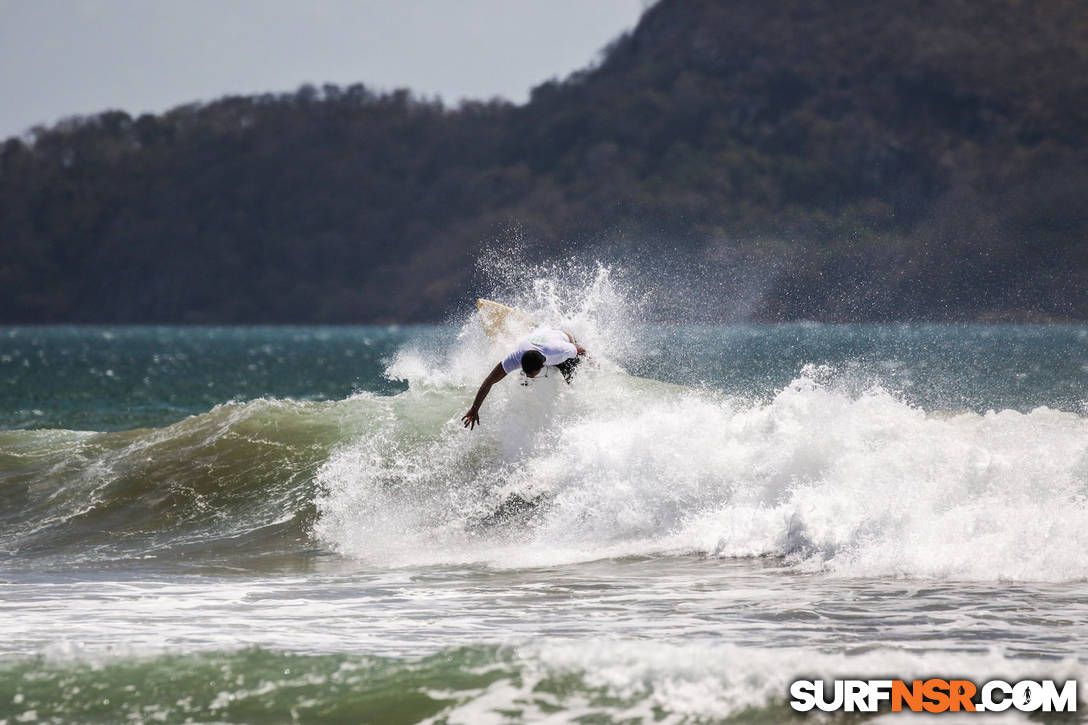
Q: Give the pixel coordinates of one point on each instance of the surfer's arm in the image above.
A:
(581, 350)
(472, 417)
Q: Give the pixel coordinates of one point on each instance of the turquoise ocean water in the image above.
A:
(290, 525)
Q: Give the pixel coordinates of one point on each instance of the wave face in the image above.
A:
(833, 471)
(238, 478)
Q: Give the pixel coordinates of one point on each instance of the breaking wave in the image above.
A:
(861, 485)
(831, 477)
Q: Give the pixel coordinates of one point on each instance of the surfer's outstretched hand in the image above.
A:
(471, 419)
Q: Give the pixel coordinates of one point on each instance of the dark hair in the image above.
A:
(532, 361)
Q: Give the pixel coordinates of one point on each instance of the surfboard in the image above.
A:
(498, 320)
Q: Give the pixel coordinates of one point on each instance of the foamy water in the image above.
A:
(856, 485)
(704, 515)
(834, 476)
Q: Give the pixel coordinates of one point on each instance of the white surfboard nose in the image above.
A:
(498, 320)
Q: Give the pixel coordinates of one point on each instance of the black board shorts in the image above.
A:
(567, 367)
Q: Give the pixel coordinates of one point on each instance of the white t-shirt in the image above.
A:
(553, 344)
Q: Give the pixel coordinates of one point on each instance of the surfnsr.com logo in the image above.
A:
(933, 696)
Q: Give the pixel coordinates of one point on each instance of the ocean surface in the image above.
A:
(289, 524)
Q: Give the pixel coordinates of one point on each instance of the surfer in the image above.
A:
(543, 346)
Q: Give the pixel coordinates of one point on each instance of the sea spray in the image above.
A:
(929, 451)
(828, 473)
(860, 485)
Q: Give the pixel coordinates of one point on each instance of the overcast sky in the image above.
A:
(65, 57)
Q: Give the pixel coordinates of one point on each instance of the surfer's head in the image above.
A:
(532, 362)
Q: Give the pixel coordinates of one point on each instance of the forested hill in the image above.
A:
(826, 159)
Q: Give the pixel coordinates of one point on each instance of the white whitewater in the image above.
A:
(855, 483)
